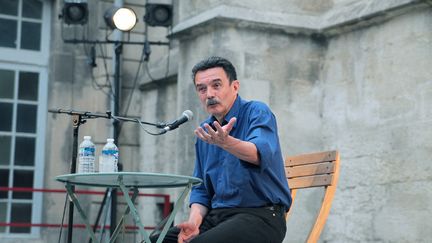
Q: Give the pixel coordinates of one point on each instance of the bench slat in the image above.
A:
(310, 181)
(310, 169)
(311, 158)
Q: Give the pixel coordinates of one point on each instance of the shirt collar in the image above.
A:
(233, 112)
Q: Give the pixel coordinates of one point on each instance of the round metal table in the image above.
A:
(127, 181)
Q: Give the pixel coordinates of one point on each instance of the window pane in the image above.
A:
(26, 118)
(4, 182)
(22, 178)
(24, 151)
(8, 30)
(32, 9)
(5, 146)
(6, 116)
(3, 208)
(7, 83)
(9, 7)
(30, 36)
(21, 213)
(28, 86)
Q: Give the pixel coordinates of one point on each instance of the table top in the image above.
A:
(130, 179)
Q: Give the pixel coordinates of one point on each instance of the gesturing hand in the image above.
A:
(218, 137)
(188, 231)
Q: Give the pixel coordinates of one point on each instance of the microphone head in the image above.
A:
(188, 114)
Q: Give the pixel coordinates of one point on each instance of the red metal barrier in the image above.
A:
(81, 226)
(166, 208)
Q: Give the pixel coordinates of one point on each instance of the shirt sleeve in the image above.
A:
(262, 132)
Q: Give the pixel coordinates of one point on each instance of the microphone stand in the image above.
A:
(79, 118)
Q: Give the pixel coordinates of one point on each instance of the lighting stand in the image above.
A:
(118, 48)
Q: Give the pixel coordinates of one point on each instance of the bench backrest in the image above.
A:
(319, 169)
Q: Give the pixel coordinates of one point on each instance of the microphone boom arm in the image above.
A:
(106, 115)
(163, 126)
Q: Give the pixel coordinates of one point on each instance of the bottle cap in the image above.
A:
(87, 137)
(110, 140)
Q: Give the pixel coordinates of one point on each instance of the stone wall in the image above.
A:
(376, 98)
(339, 74)
(353, 76)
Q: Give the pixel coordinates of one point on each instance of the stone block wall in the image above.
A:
(338, 74)
(354, 77)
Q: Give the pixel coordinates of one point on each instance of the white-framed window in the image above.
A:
(24, 45)
(24, 28)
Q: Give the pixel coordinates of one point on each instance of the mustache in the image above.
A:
(212, 102)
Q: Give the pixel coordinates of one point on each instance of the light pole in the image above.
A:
(118, 48)
(75, 12)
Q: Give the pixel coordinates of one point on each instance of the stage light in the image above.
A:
(75, 12)
(158, 14)
(123, 19)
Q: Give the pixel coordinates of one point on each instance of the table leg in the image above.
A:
(107, 206)
(118, 227)
(73, 198)
(177, 205)
(133, 210)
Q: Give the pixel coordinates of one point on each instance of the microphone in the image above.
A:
(186, 116)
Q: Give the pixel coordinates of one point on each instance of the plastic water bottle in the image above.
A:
(86, 156)
(109, 157)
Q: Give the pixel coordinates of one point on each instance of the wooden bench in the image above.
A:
(314, 170)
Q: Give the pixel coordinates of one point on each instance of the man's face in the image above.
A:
(215, 91)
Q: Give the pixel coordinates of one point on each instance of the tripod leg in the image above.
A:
(70, 219)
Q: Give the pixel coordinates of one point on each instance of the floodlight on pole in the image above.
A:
(120, 18)
(75, 12)
(158, 14)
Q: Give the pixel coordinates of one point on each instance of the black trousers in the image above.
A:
(238, 225)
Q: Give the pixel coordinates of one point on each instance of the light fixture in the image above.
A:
(120, 18)
(158, 14)
(75, 12)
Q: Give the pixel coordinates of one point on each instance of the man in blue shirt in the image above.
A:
(244, 194)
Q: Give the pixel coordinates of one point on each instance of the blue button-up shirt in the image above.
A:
(231, 182)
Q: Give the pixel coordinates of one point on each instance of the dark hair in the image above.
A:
(213, 62)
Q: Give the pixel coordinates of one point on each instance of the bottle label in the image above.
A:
(110, 152)
(87, 151)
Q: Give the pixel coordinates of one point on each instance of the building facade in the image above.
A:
(339, 74)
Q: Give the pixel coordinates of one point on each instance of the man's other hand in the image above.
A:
(188, 231)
